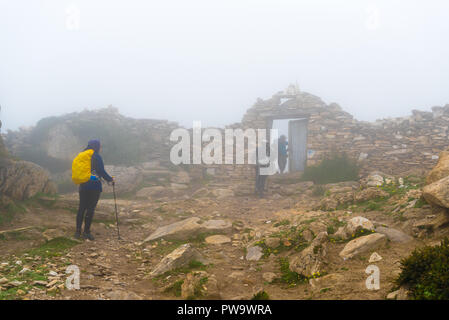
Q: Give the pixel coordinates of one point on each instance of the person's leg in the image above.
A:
(257, 180)
(81, 211)
(282, 163)
(93, 198)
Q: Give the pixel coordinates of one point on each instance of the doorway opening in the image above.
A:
(295, 131)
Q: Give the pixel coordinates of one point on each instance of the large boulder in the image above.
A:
(20, 180)
(441, 170)
(178, 258)
(362, 244)
(437, 193)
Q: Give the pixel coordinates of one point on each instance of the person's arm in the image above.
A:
(101, 171)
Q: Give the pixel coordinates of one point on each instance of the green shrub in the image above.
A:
(261, 295)
(333, 168)
(426, 272)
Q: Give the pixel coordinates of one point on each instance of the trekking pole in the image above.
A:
(116, 211)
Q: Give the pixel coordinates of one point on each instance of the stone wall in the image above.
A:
(393, 146)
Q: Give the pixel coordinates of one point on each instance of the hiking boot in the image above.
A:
(88, 236)
(77, 234)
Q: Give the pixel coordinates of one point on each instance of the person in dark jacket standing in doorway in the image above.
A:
(90, 191)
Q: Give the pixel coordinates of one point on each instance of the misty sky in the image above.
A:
(209, 60)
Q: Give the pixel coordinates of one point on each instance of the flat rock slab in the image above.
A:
(394, 235)
(216, 226)
(176, 231)
(363, 244)
(217, 239)
(179, 257)
(185, 229)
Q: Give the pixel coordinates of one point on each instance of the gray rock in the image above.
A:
(22, 180)
(362, 244)
(180, 257)
(358, 223)
(254, 253)
(394, 235)
(180, 230)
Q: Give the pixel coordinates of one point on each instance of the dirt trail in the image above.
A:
(119, 269)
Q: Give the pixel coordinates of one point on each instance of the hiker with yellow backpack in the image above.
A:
(87, 172)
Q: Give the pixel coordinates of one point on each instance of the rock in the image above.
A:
(216, 226)
(223, 193)
(180, 257)
(185, 229)
(192, 286)
(394, 235)
(393, 295)
(3, 280)
(437, 193)
(176, 231)
(369, 194)
(375, 257)
(307, 235)
(433, 222)
(22, 180)
(357, 224)
(217, 239)
(310, 261)
(341, 233)
(374, 179)
(15, 283)
(272, 242)
(269, 276)
(362, 244)
(122, 295)
(402, 294)
(441, 170)
(254, 253)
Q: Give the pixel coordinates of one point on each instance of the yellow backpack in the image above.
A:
(82, 167)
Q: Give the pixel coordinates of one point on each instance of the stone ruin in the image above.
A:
(393, 146)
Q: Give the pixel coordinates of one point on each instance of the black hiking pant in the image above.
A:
(260, 182)
(88, 203)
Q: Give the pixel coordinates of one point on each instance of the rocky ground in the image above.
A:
(301, 241)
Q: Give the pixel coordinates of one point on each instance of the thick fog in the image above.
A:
(210, 60)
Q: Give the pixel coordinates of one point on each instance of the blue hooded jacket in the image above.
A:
(97, 169)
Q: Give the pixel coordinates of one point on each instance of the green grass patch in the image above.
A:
(335, 167)
(53, 248)
(175, 288)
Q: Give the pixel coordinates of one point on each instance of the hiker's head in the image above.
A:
(283, 138)
(94, 145)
